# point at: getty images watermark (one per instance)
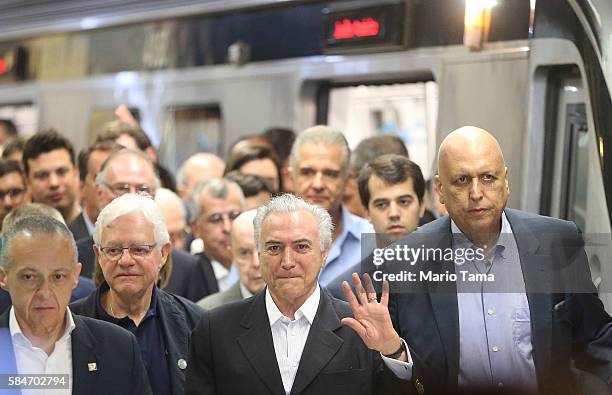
(412, 256)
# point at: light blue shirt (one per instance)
(495, 347)
(346, 250)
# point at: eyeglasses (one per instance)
(123, 188)
(136, 251)
(219, 217)
(12, 193)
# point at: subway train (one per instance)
(200, 74)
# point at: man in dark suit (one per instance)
(216, 203)
(290, 338)
(131, 246)
(39, 270)
(245, 259)
(523, 316)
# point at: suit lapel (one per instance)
(321, 345)
(85, 364)
(258, 346)
(536, 275)
(443, 297)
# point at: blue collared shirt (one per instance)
(495, 347)
(150, 340)
(345, 251)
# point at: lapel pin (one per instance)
(182, 364)
(92, 366)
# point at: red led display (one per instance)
(363, 27)
(3, 66)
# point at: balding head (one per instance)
(174, 212)
(473, 181)
(244, 252)
(195, 169)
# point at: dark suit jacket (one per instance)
(232, 352)
(566, 327)
(119, 367)
(207, 279)
(178, 318)
(79, 228)
(187, 278)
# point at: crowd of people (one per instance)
(256, 274)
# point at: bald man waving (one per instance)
(498, 301)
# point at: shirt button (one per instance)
(495, 349)
(490, 311)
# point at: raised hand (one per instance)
(371, 321)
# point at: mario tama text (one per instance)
(401, 255)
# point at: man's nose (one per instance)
(394, 211)
(317, 182)
(53, 179)
(476, 189)
(287, 261)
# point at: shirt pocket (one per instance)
(521, 331)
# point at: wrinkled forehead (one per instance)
(39, 251)
(289, 225)
(462, 157)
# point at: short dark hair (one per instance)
(373, 147)
(392, 169)
(10, 166)
(112, 131)
(282, 140)
(14, 144)
(9, 126)
(43, 142)
(250, 184)
(250, 153)
(83, 160)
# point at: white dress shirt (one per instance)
(225, 278)
(290, 336)
(33, 360)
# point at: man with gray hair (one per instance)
(288, 339)
(320, 167)
(215, 204)
(40, 336)
(132, 245)
(131, 171)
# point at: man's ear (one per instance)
(3, 276)
(77, 273)
(438, 186)
(165, 252)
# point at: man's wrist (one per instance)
(397, 351)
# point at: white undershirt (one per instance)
(34, 360)
(290, 336)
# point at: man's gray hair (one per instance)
(34, 225)
(217, 188)
(289, 203)
(101, 176)
(321, 134)
(130, 204)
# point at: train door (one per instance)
(573, 189)
(408, 110)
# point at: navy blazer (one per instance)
(232, 352)
(118, 365)
(178, 318)
(568, 329)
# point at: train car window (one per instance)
(23, 115)
(408, 110)
(188, 130)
